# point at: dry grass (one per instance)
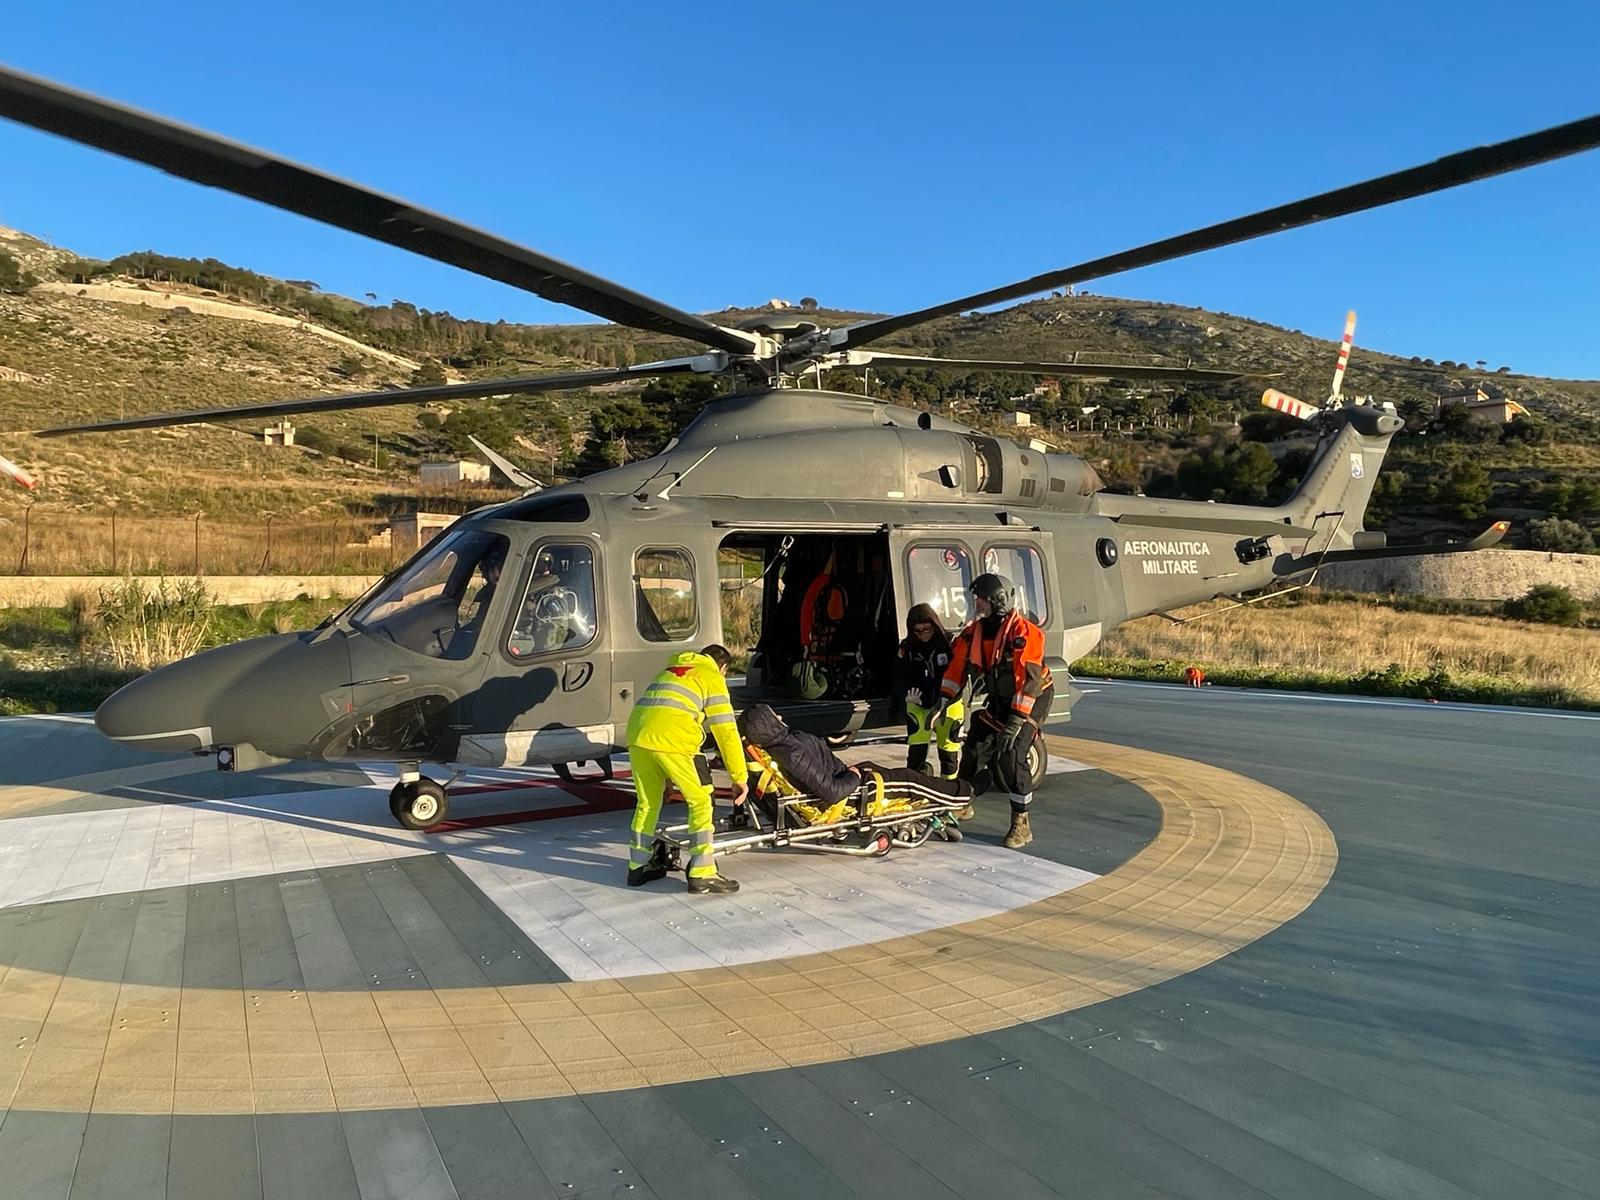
(135, 627)
(70, 544)
(1352, 638)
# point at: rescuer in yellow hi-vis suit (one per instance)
(665, 732)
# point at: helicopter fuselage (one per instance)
(596, 583)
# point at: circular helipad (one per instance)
(174, 943)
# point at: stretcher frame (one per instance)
(861, 835)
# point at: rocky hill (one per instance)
(72, 347)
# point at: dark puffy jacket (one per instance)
(803, 757)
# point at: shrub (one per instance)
(140, 628)
(1561, 537)
(1547, 604)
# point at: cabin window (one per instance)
(1025, 569)
(663, 594)
(438, 605)
(558, 605)
(939, 574)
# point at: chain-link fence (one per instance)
(35, 541)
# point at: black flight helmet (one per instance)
(996, 589)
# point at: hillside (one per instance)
(215, 334)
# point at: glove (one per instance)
(1014, 726)
(914, 697)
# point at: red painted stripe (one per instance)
(521, 784)
(594, 798)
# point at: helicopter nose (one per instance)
(269, 692)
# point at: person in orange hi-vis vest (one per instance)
(1004, 651)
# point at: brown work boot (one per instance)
(712, 885)
(1019, 835)
(964, 814)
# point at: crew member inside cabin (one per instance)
(919, 670)
(1004, 652)
(665, 732)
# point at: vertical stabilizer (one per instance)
(1343, 472)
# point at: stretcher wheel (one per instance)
(913, 834)
(880, 844)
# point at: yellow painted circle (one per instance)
(1234, 859)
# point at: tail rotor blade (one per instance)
(1285, 403)
(1344, 352)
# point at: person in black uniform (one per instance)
(919, 670)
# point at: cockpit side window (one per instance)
(438, 605)
(663, 594)
(558, 606)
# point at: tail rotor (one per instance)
(1299, 409)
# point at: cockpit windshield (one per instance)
(438, 605)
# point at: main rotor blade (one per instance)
(205, 158)
(1439, 175)
(525, 385)
(1079, 370)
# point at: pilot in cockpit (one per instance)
(557, 609)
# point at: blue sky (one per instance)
(876, 156)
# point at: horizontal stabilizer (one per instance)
(1309, 562)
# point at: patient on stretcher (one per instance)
(794, 763)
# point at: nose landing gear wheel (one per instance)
(421, 804)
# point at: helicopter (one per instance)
(522, 634)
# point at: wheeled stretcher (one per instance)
(878, 816)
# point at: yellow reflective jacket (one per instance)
(674, 712)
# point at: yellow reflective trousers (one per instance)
(652, 770)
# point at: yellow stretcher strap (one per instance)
(770, 779)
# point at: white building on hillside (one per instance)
(445, 474)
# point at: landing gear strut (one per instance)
(419, 803)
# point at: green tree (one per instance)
(1585, 500)
(1467, 489)
(1386, 493)
(1239, 475)
(1528, 430)
(1547, 604)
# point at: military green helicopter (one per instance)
(522, 634)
